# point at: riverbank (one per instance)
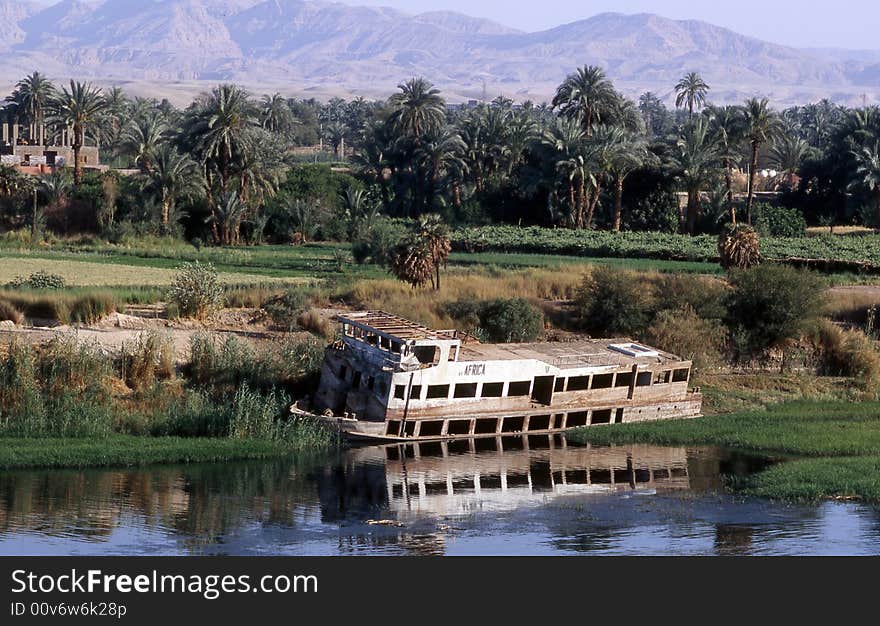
(825, 449)
(133, 451)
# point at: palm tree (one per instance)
(424, 251)
(868, 173)
(33, 94)
(727, 126)
(418, 108)
(788, 153)
(739, 247)
(221, 128)
(79, 108)
(172, 177)
(762, 124)
(276, 115)
(441, 156)
(142, 137)
(586, 95)
(691, 91)
(698, 157)
(566, 141)
(629, 152)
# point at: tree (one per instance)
(727, 126)
(739, 247)
(566, 141)
(691, 92)
(762, 125)
(417, 109)
(868, 173)
(628, 153)
(174, 176)
(142, 137)
(586, 95)
(423, 252)
(78, 108)
(276, 115)
(698, 157)
(788, 153)
(33, 95)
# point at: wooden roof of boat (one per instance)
(396, 326)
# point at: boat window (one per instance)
(416, 392)
(465, 390)
(427, 355)
(436, 392)
(643, 379)
(356, 380)
(578, 383)
(492, 390)
(343, 372)
(520, 388)
(560, 385)
(602, 381)
(680, 376)
(400, 392)
(624, 379)
(371, 383)
(601, 417)
(577, 419)
(661, 378)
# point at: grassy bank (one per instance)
(836, 446)
(131, 451)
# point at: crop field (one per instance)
(859, 251)
(79, 273)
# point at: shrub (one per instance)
(511, 321)
(684, 333)
(286, 309)
(779, 221)
(39, 280)
(68, 364)
(254, 415)
(196, 290)
(8, 313)
(707, 296)
(613, 301)
(312, 321)
(769, 305)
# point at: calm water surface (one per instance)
(520, 496)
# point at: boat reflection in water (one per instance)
(441, 479)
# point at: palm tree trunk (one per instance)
(752, 173)
(77, 147)
(877, 203)
(593, 203)
(576, 218)
(618, 204)
(166, 209)
(728, 180)
(693, 207)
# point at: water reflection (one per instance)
(528, 495)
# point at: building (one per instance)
(41, 154)
(390, 378)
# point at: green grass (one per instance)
(130, 451)
(835, 445)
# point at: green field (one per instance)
(829, 449)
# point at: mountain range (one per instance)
(174, 48)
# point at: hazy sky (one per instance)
(803, 23)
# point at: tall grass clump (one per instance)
(196, 290)
(9, 313)
(852, 354)
(146, 360)
(21, 404)
(686, 334)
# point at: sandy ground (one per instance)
(117, 329)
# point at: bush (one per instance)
(284, 311)
(511, 321)
(779, 221)
(39, 280)
(706, 296)
(614, 302)
(770, 305)
(684, 333)
(196, 290)
(8, 313)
